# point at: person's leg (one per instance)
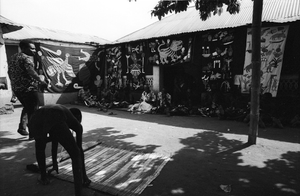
(23, 117)
(23, 120)
(31, 104)
(64, 136)
(54, 155)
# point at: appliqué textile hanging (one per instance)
(170, 51)
(61, 64)
(216, 59)
(135, 60)
(272, 49)
(114, 67)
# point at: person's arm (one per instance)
(28, 64)
(54, 157)
(79, 131)
(35, 76)
(76, 126)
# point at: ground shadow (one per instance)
(209, 160)
(15, 154)
(107, 136)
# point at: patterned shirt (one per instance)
(21, 81)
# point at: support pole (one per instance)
(256, 69)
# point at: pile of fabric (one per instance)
(7, 109)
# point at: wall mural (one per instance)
(135, 64)
(272, 49)
(216, 61)
(114, 67)
(169, 51)
(60, 65)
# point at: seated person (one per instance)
(295, 121)
(103, 101)
(85, 96)
(164, 102)
(147, 101)
(148, 95)
(266, 111)
(112, 97)
(57, 120)
(186, 107)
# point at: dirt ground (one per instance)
(206, 154)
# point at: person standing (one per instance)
(24, 82)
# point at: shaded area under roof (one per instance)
(8, 26)
(32, 32)
(276, 11)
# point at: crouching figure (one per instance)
(53, 123)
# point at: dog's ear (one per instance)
(77, 113)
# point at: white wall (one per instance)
(156, 79)
(5, 95)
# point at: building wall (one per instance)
(5, 94)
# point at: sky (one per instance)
(108, 19)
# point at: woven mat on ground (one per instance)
(116, 171)
(63, 155)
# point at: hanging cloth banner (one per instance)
(170, 51)
(217, 58)
(272, 49)
(135, 64)
(114, 67)
(60, 65)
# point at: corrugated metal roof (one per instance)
(32, 32)
(8, 25)
(277, 11)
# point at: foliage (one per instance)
(205, 7)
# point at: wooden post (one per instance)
(256, 69)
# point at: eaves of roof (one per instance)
(38, 33)
(8, 26)
(274, 11)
